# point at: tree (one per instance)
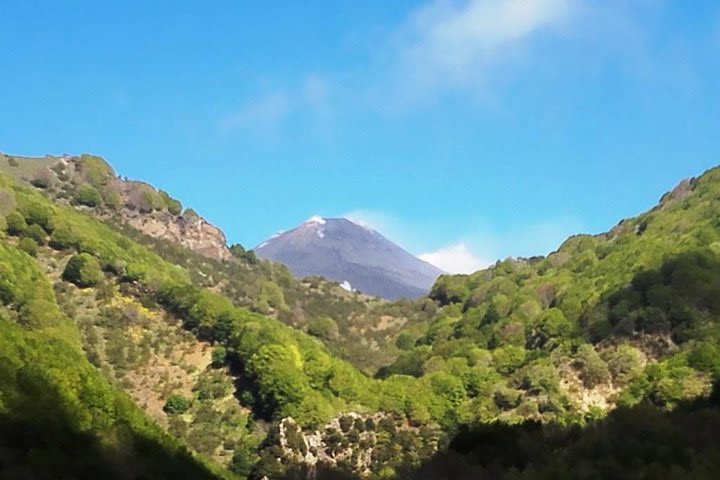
(83, 270)
(593, 370)
(549, 329)
(176, 404)
(509, 358)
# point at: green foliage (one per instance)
(509, 358)
(593, 370)
(64, 238)
(86, 194)
(112, 198)
(83, 270)
(28, 245)
(405, 341)
(323, 327)
(448, 289)
(705, 357)
(94, 170)
(176, 404)
(219, 356)
(58, 416)
(36, 233)
(173, 206)
(36, 210)
(16, 224)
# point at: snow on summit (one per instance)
(316, 219)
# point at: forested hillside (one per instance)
(222, 351)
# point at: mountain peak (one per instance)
(345, 251)
(315, 220)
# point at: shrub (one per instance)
(346, 423)
(16, 224)
(322, 327)
(36, 212)
(63, 238)
(176, 404)
(12, 162)
(112, 198)
(36, 233)
(507, 398)
(86, 194)
(83, 270)
(405, 341)
(219, 356)
(95, 170)
(144, 198)
(28, 245)
(7, 201)
(43, 178)
(174, 206)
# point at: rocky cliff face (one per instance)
(90, 183)
(190, 231)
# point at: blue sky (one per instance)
(464, 130)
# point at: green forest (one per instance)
(128, 356)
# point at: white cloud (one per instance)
(474, 243)
(455, 258)
(448, 44)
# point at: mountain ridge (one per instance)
(352, 254)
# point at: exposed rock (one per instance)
(138, 204)
(337, 444)
(192, 232)
(678, 193)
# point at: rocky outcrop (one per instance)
(355, 442)
(190, 231)
(680, 192)
(90, 183)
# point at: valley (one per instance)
(179, 356)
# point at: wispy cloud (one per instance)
(311, 95)
(258, 113)
(450, 44)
